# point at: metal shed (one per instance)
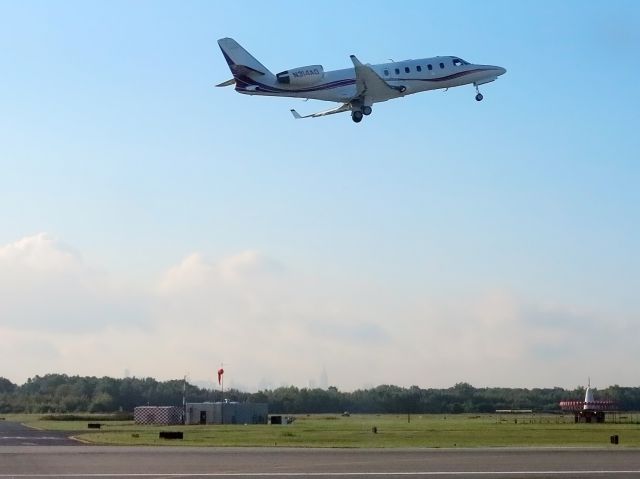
(226, 413)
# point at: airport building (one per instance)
(226, 413)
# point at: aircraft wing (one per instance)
(340, 109)
(369, 83)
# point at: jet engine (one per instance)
(302, 76)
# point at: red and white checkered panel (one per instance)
(157, 415)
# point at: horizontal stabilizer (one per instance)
(227, 83)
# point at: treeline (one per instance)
(59, 393)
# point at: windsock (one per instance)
(220, 373)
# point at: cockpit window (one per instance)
(457, 62)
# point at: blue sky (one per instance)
(161, 199)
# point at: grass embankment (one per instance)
(356, 431)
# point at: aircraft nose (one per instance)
(501, 71)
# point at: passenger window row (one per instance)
(456, 62)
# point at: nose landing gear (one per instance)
(479, 96)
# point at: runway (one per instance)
(169, 462)
(15, 434)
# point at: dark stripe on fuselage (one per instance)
(453, 76)
(250, 82)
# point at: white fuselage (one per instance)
(414, 75)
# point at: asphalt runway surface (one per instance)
(61, 461)
(15, 434)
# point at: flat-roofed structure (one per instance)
(227, 413)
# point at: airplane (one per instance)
(357, 88)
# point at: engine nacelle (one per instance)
(302, 76)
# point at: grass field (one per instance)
(356, 431)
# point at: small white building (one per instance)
(227, 413)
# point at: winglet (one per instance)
(295, 114)
(356, 62)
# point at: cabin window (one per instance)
(430, 66)
(397, 71)
(386, 73)
(419, 68)
(457, 62)
(442, 65)
(407, 69)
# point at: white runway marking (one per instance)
(39, 438)
(337, 474)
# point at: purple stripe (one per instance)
(244, 82)
(448, 77)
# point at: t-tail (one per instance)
(244, 67)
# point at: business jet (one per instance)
(357, 88)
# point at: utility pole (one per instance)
(184, 400)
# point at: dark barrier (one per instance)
(276, 419)
(171, 435)
(94, 425)
(614, 439)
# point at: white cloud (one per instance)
(45, 285)
(272, 324)
(39, 253)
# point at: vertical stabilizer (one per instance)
(588, 397)
(239, 60)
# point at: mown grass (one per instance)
(393, 431)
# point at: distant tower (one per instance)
(324, 379)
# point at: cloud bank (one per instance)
(273, 323)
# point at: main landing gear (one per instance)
(357, 115)
(479, 96)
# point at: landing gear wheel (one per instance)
(479, 97)
(366, 110)
(356, 116)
